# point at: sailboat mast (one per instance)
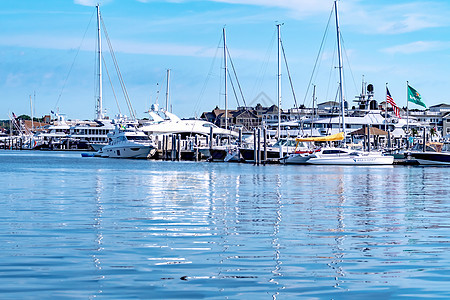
(226, 74)
(279, 81)
(341, 92)
(167, 90)
(314, 110)
(100, 92)
(31, 108)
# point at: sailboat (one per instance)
(228, 151)
(280, 147)
(339, 155)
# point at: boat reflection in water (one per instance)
(130, 229)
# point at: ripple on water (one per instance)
(86, 227)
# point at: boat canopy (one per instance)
(329, 138)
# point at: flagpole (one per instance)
(407, 114)
(385, 110)
(407, 109)
(385, 115)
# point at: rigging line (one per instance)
(330, 125)
(289, 75)
(348, 63)
(158, 92)
(112, 87)
(292, 85)
(237, 80)
(119, 74)
(73, 63)
(208, 76)
(331, 73)
(234, 90)
(318, 55)
(116, 65)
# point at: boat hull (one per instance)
(249, 154)
(217, 154)
(295, 159)
(431, 158)
(359, 161)
(134, 151)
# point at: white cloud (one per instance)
(396, 18)
(122, 46)
(367, 16)
(86, 2)
(14, 80)
(300, 7)
(91, 2)
(417, 47)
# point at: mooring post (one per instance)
(258, 154)
(196, 147)
(424, 142)
(173, 148)
(254, 145)
(265, 144)
(179, 148)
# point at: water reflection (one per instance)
(143, 229)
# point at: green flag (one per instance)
(414, 97)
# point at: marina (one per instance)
(267, 195)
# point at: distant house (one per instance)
(34, 126)
(440, 108)
(446, 124)
(246, 119)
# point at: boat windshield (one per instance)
(284, 142)
(429, 147)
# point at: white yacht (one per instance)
(128, 143)
(347, 156)
(336, 155)
(305, 148)
(172, 124)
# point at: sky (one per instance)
(48, 53)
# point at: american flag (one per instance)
(389, 100)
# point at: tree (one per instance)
(24, 117)
(433, 131)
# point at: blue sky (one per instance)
(386, 41)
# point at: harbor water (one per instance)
(85, 228)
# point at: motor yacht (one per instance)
(128, 142)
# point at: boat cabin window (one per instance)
(334, 151)
(209, 125)
(138, 138)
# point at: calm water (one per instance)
(74, 227)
